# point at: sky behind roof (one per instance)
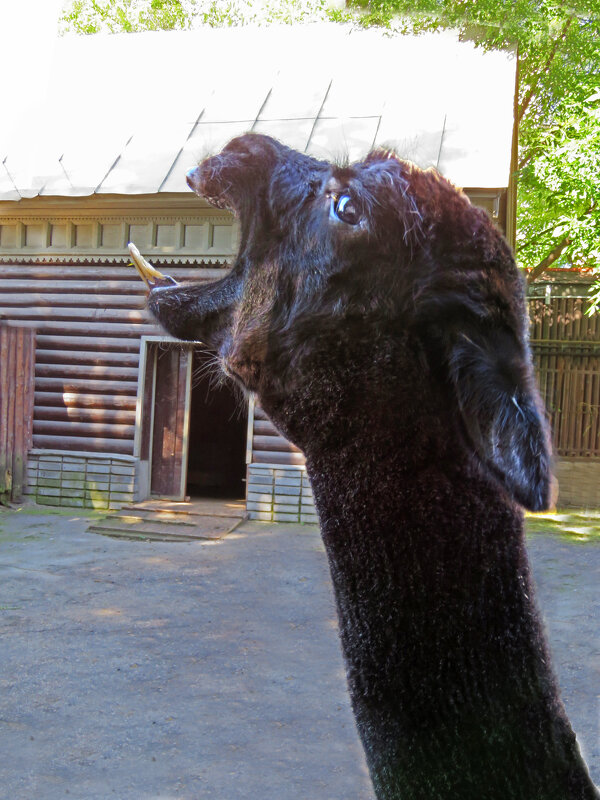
(127, 113)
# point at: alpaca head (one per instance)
(382, 268)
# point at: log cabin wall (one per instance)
(64, 270)
(278, 488)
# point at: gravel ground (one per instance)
(151, 671)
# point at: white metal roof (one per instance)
(131, 113)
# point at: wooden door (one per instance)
(169, 372)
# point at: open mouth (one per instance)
(149, 274)
(202, 180)
(218, 202)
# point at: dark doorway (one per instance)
(218, 430)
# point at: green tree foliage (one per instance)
(558, 214)
(117, 16)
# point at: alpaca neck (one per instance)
(446, 661)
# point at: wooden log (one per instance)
(83, 371)
(264, 428)
(131, 285)
(86, 386)
(122, 330)
(67, 328)
(81, 400)
(85, 444)
(82, 357)
(259, 413)
(86, 429)
(270, 457)
(272, 443)
(79, 414)
(86, 314)
(89, 343)
(89, 300)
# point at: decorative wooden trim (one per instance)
(116, 205)
(168, 229)
(136, 219)
(95, 259)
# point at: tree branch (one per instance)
(547, 262)
(535, 238)
(530, 94)
(556, 251)
(525, 159)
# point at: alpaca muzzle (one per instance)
(192, 179)
(205, 181)
(191, 312)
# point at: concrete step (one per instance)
(154, 530)
(197, 507)
(161, 517)
(146, 536)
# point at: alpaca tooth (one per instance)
(149, 274)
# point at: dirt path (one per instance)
(149, 671)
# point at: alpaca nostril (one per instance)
(193, 179)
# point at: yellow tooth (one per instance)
(146, 271)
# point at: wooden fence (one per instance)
(565, 344)
(17, 364)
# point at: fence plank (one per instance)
(568, 377)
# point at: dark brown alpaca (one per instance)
(380, 320)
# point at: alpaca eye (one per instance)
(344, 209)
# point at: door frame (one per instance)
(144, 412)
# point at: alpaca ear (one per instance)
(502, 413)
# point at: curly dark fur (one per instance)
(393, 350)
